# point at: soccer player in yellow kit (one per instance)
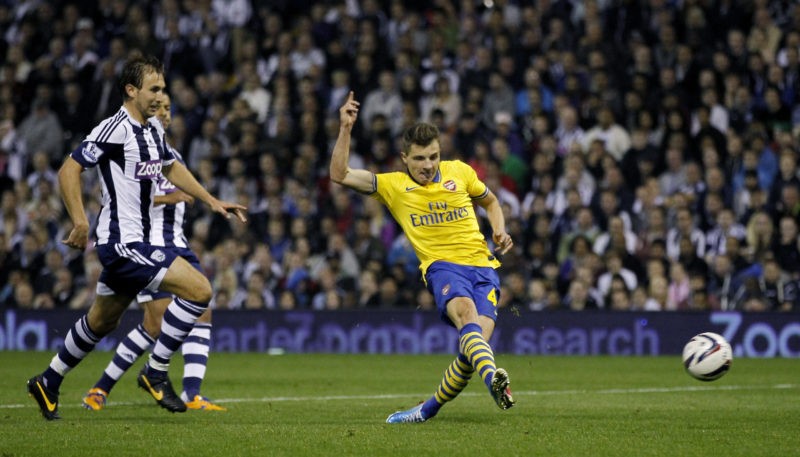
(433, 202)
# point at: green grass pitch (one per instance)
(321, 404)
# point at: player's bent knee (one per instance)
(186, 282)
(200, 293)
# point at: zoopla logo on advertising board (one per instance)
(758, 339)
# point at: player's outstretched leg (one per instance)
(481, 357)
(44, 387)
(455, 379)
(136, 343)
(195, 351)
(179, 318)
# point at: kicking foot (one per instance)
(500, 390)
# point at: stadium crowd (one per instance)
(645, 152)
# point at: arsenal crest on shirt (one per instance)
(450, 185)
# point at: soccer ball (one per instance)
(707, 356)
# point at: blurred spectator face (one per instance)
(772, 272)
(516, 284)
(23, 295)
(710, 156)
(655, 268)
(617, 283)
(638, 298)
(715, 180)
(676, 272)
(387, 81)
(53, 259)
(655, 219)
(608, 202)
(537, 290)
(692, 170)
(722, 265)
(684, 221)
(736, 41)
(620, 300)
(578, 291)
(585, 219)
(388, 290)
(773, 100)
(605, 118)
(725, 219)
(791, 197)
(762, 223)
(732, 246)
(287, 300)
(788, 230)
(580, 247)
(275, 229)
(568, 118)
(788, 165)
(699, 300)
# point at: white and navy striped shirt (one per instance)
(129, 157)
(167, 220)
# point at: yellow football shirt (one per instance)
(439, 218)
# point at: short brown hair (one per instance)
(421, 134)
(134, 70)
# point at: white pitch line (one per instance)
(641, 390)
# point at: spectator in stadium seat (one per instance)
(779, 291)
(41, 131)
(615, 270)
(537, 295)
(616, 140)
(447, 270)
(749, 297)
(63, 288)
(617, 235)
(385, 99)
(679, 289)
(760, 235)
(499, 97)
(789, 204)
(577, 297)
(684, 228)
(620, 300)
(787, 247)
(441, 98)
